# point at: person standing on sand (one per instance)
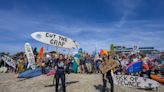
(82, 62)
(108, 75)
(60, 72)
(21, 65)
(88, 64)
(42, 65)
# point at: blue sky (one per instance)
(93, 23)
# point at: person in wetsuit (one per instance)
(60, 72)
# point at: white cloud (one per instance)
(90, 36)
(126, 8)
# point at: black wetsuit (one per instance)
(60, 74)
(110, 79)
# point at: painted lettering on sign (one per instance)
(56, 42)
(130, 81)
(129, 84)
(62, 39)
(59, 41)
(50, 35)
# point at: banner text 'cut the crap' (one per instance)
(60, 41)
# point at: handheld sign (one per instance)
(30, 56)
(106, 66)
(9, 61)
(134, 81)
(55, 40)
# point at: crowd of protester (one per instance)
(90, 63)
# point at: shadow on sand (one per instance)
(22, 79)
(100, 88)
(148, 89)
(67, 83)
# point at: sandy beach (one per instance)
(74, 83)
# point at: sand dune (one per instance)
(74, 83)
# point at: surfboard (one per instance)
(158, 78)
(55, 40)
(3, 69)
(135, 81)
(32, 73)
(51, 72)
(30, 56)
(40, 52)
(9, 61)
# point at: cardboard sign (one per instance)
(106, 66)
